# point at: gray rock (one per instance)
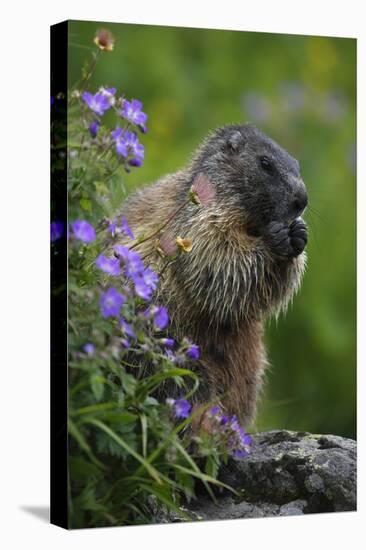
(294, 508)
(286, 473)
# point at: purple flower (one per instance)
(239, 441)
(127, 144)
(126, 228)
(98, 103)
(244, 438)
(215, 410)
(111, 302)
(57, 230)
(161, 318)
(127, 329)
(240, 453)
(112, 228)
(247, 440)
(145, 282)
(181, 407)
(93, 128)
(224, 420)
(135, 162)
(118, 136)
(109, 94)
(170, 355)
(147, 314)
(125, 343)
(141, 288)
(193, 352)
(132, 111)
(134, 265)
(122, 252)
(83, 231)
(132, 260)
(234, 424)
(150, 278)
(169, 342)
(89, 348)
(108, 265)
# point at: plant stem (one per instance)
(92, 67)
(171, 217)
(85, 80)
(167, 264)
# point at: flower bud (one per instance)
(104, 40)
(93, 128)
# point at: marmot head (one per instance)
(253, 174)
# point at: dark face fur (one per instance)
(257, 174)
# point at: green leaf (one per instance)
(78, 436)
(212, 466)
(143, 420)
(194, 466)
(204, 477)
(163, 495)
(100, 407)
(152, 382)
(108, 446)
(85, 204)
(129, 383)
(97, 384)
(87, 500)
(80, 468)
(152, 471)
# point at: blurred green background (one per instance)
(301, 90)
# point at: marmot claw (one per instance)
(287, 241)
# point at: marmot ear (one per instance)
(202, 190)
(235, 141)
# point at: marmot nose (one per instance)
(300, 201)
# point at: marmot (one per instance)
(247, 258)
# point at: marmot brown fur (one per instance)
(247, 258)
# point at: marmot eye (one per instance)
(266, 164)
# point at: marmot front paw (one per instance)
(287, 241)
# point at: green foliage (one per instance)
(128, 458)
(131, 456)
